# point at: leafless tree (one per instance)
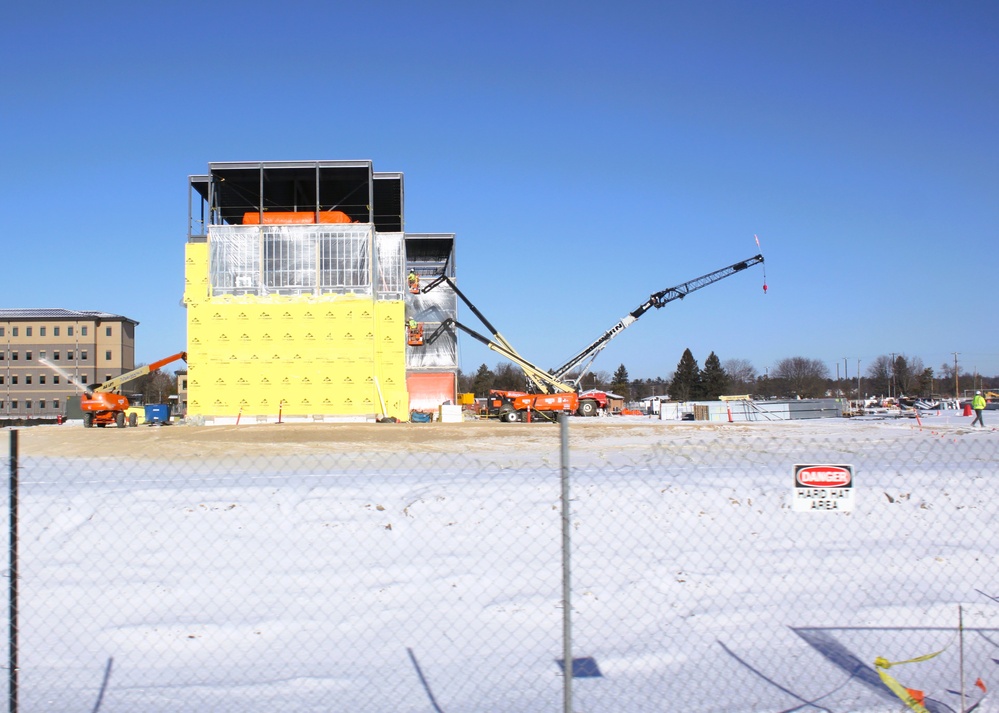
(801, 376)
(741, 374)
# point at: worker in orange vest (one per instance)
(414, 282)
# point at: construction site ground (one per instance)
(176, 441)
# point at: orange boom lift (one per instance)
(104, 404)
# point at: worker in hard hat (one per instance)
(978, 404)
(414, 282)
(414, 333)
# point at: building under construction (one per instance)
(297, 296)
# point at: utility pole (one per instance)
(891, 382)
(957, 387)
(858, 379)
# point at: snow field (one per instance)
(299, 583)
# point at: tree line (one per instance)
(792, 377)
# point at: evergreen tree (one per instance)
(482, 381)
(686, 384)
(901, 374)
(926, 382)
(714, 380)
(620, 383)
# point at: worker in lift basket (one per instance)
(978, 404)
(414, 282)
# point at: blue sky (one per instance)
(857, 139)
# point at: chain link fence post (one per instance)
(12, 573)
(566, 568)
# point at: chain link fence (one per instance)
(395, 580)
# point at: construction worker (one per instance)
(414, 282)
(414, 333)
(978, 404)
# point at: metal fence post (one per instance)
(566, 571)
(12, 593)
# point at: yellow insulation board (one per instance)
(304, 355)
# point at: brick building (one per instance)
(87, 347)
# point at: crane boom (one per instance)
(114, 384)
(657, 300)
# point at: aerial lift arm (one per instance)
(500, 345)
(534, 373)
(657, 300)
(112, 385)
(482, 318)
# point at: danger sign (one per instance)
(822, 488)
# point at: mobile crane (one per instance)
(554, 391)
(103, 404)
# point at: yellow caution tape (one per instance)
(909, 696)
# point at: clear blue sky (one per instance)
(858, 139)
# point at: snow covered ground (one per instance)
(414, 581)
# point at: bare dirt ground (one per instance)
(188, 441)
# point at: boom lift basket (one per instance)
(415, 335)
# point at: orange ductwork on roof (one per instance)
(300, 217)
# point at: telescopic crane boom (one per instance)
(657, 300)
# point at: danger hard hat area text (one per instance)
(821, 493)
(823, 499)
